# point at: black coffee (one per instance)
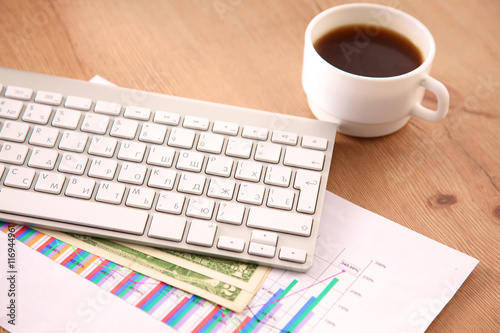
(369, 50)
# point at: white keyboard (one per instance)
(162, 171)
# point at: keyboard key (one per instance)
(140, 197)
(276, 220)
(190, 161)
(10, 109)
(308, 183)
(264, 237)
(162, 178)
(231, 244)
(112, 109)
(153, 133)
(73, 141)
(248, 170)
(294, 255)
(191, 183)
(223, 127)
(132, 173)
(304, 158)
(134, 112)
(131, 151)
(47, 97)
(253, 132)
(314, 142)
(230, 212)
(210, 143)
(90, 214)
(287, 138)
(50, 182)
(161, 156)
(251, 193)
(268, 152)
(170, 202)
(181, 138)
(167, 227)
(14, 131)
(78, 103)
(124, 128)
(37, 113)
(44, 136)
(13, 153)
(43, 158)
(95, 123)
(201, 208)
(80, 187)
(280, 198)
(73, 163)
(21, 93)
(103, 168)
(239, 147)
(196, 123)
(201, 233)
(110, 192)
(261, 250)
(219, 166)
(221, 188)
(65, 118)
(20, 177)
(167, 118)
(278, 175)
(102, 146)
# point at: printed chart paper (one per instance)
(370, 274)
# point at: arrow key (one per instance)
(291, 254)
(231, 244)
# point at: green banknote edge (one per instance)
(231, 268)
(201, 281)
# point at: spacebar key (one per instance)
(275, 220)
(73, 211)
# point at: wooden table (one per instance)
(440, 179)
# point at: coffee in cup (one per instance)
(366, 67)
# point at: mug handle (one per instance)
(443, 98)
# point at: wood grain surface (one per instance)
(439, 179)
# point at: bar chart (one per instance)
(286, 302)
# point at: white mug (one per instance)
(370, 106)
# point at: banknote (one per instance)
(183, 277)
(241, 275)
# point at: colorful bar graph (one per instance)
(183, 311)
(243, 324)
(299, 317)
(156, 297)
(203, 325)
(187, 313)
(267, 308)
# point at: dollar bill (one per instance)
(184, 277)
(238, 274)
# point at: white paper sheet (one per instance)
(52, 299)
(390, 278)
